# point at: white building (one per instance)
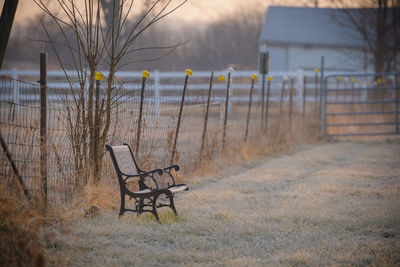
(297, 37)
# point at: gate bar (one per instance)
(362, 134)
(360, 89)
(361, 113)
(361, 124)
(361, 102)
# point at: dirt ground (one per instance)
(326, 204)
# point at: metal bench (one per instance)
(150, 188)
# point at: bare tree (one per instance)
(102, 36)
(232, 40)
(377, 22)
(212, 45)
(6, 22)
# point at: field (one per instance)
(286, 196)
(323, 204)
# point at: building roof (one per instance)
(307, 26)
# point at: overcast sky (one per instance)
(193, 11)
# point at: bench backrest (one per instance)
(123, 159)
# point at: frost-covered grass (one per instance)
(330, 204)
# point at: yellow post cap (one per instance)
(189, 72)
(221, 78)
(340, 78)
(270, 78)
(316, 70)
(145, 74)
(353, 80)
(99, 76)
(253, 77)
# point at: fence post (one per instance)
(230, 70)
(188, 73)
(16, 93)
(145, 75)
(263, 90)
(157, 91)
(96, 149)
(338, 80)
(226, 110)
(324, 107)
(304, 96)
(281, 103)
(221, 79)
(148, 139)
(267, 104)
(43, 124)
(353, 81)
(203, 138)
(396, 95)
(291, 104)
(253, 77)
(96, 129)
(322, 93)
(316, 92)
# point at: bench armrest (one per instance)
(142, 176)
(168, 171)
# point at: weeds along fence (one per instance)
(216, 116)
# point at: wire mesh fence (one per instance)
(20, 131)
(67, 148)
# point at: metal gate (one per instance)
(361, 104)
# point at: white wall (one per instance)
(335, 59)
(279, 58)
(292, 58)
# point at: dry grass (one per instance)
(324, 205)
(19, 224)
(330, 204)
(277, 137)
(105, 197)
(374, 118)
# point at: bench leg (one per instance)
(171, 203)
(140, 206)
(122, 208)
(154, 211)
